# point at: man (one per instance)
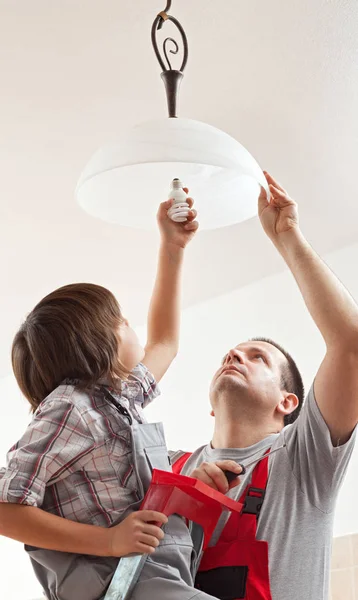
(281, 544)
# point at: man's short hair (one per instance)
(291, 379)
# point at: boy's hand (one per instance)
(177, 234)
(137, 534)
(164, 310)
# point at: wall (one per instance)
(344, 568)
(270, 307)
(17, 581)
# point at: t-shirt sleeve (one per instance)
(56, 443)
(140, 387)
(318, 466)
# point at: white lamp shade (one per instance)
(125, 182)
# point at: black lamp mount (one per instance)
(171, 77)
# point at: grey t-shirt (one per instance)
(297, 514)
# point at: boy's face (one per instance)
(131, 352)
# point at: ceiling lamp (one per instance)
(124, 182)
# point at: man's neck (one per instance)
(240, 435)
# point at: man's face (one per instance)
(250, 377)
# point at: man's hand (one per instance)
(176, 234)
(331, 307)
(279, 215)
(137, 533)
(213, 474)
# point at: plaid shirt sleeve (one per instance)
(140, 386)
(57, 442)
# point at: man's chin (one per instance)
(229, 381)
(233, 376)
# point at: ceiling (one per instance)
(281, 77)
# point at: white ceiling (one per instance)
(282, 77)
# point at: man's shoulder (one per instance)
(182, 456)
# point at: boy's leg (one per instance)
(166, 576)
(167, 589)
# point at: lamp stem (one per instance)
(171, 77)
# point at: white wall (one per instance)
(17, 581)
(270, 307)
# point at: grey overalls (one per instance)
(166, 574)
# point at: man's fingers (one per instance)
(279, 197)
(275, 191)
(213, 474)
(234, 483)
(200, 474)
(216, 474)
(271, 181)
(233, 467)
(263, 201)
(190, 201)
(229, 465)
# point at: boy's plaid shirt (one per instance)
(74, 459)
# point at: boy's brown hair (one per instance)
(72, 333)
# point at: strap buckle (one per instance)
(253, 501)
(117, 405)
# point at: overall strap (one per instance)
(254, 494)
(178, 464)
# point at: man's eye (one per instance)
(260, 356)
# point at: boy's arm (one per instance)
(35, 527)
(164, 310)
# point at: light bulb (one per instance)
(180, 208)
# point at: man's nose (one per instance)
(235, 355)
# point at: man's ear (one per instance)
(288, 404)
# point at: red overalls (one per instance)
(237, 567)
